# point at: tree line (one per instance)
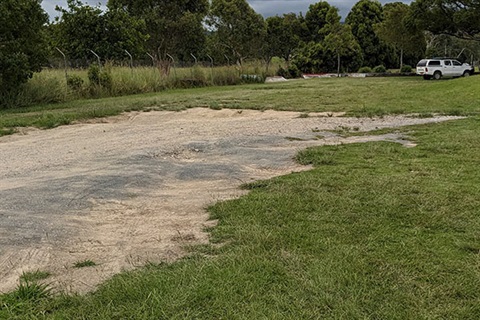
(231, 31)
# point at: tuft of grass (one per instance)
(84, 264)
(34, 276)
(30, 300)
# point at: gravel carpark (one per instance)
(133, 189)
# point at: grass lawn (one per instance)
(375, 231)
(361, 97)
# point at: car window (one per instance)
(456, 63)
(422, 63)
(448, 63)
(434, 63)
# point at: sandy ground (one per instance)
(133, 189)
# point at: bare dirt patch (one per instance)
(133, 189)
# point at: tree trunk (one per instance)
(338, 65)
(401, 59)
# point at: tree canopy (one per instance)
(315, 19)
(22, 42)
(283, 35)
(456, 18)
(82, 28)
(238, 28)
(339, 39)
(365, 14)
(395, 30)
(174, 26)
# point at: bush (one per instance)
(105, 80)
(365, 70)
(99, 77)
(290, 73)
(406, 69)
(94, 74)
(380, 69)
(74, 82)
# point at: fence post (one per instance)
(174, 70)
(211, 67)
(64, 61)
(98, 59)
(131, 60)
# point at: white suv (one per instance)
(437, 68)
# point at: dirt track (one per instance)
(133, 188)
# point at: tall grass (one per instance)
(50, 85)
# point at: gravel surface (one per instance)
(133, 189)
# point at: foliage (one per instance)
(22, 44)
(315, 20)
(74, 82)
(394, 29)
(238, 28)
(362, 18)
(283, 36)
(311, 58)
(406, 69)
(291, 72)
(451, 17)
(340, 40)
(174, 27)
(365, 70)
(82, 28)
(380, 69)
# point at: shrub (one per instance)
(94, 74)
(75, 82)
(365, 70)
(105, 80)
(290, 73)
(99, 77)
(406, 69)
(380, 69)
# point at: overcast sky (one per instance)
(265, 7)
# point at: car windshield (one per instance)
(422, 63)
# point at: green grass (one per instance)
(357, 97)
(84, 264)
(375, 231)
(34, 276)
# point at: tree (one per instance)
(22, 44)
(315, 19)
(395, 30)
(237, 28)
(456, 18)
(362, 18)
(339, 38)
(283, 36)
(174, 27)
(82, 28)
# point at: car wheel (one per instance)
(427, 77)
(466, 74)
(437, 75)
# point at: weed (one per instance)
(84, 264)
(34, 276)
(294, 139)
